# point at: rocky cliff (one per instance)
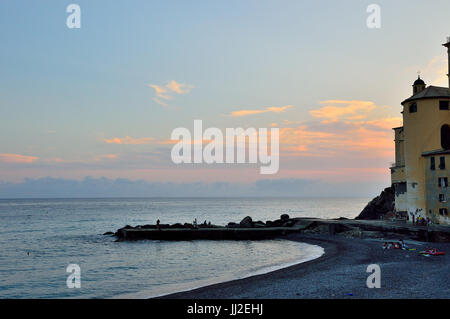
(381, 207)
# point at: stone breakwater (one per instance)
(248, 229)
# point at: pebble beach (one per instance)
(341, 273)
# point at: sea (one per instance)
(41, 240)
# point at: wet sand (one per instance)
(341, 273)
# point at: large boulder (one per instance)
(284, 217)
(275, 223)
(246, 222)
(380, 206)
(259, 224)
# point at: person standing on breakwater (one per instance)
(158, 226)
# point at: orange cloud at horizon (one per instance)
(149, 140)
(106, 156)
(340, 134)
(129, 140)
(343, 110)
(385, 123)
(89, 160)
(17, 158)
(357, 126)
(273, 109)
(304, 142)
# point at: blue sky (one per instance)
(65, 92)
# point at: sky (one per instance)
(99, 103)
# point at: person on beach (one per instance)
(402, 244)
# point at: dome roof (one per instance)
(431, 92)
(419, 81)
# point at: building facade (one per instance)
(421, 172)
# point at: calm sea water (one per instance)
(59, 232)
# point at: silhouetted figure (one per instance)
(158, 226)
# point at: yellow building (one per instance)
(421, 173)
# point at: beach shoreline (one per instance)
(341, 272)
(315, 252)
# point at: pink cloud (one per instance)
(17, 158)
(337, 110)
(129, 140)
(273, 109)
(345, 126)
(165, 92)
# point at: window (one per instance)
(413, 107)
(432, 163)
(443, 105)
(441, 198)
(400, 188)
(442, 162)
(445, 136)
(443, 182)
(443, 211)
